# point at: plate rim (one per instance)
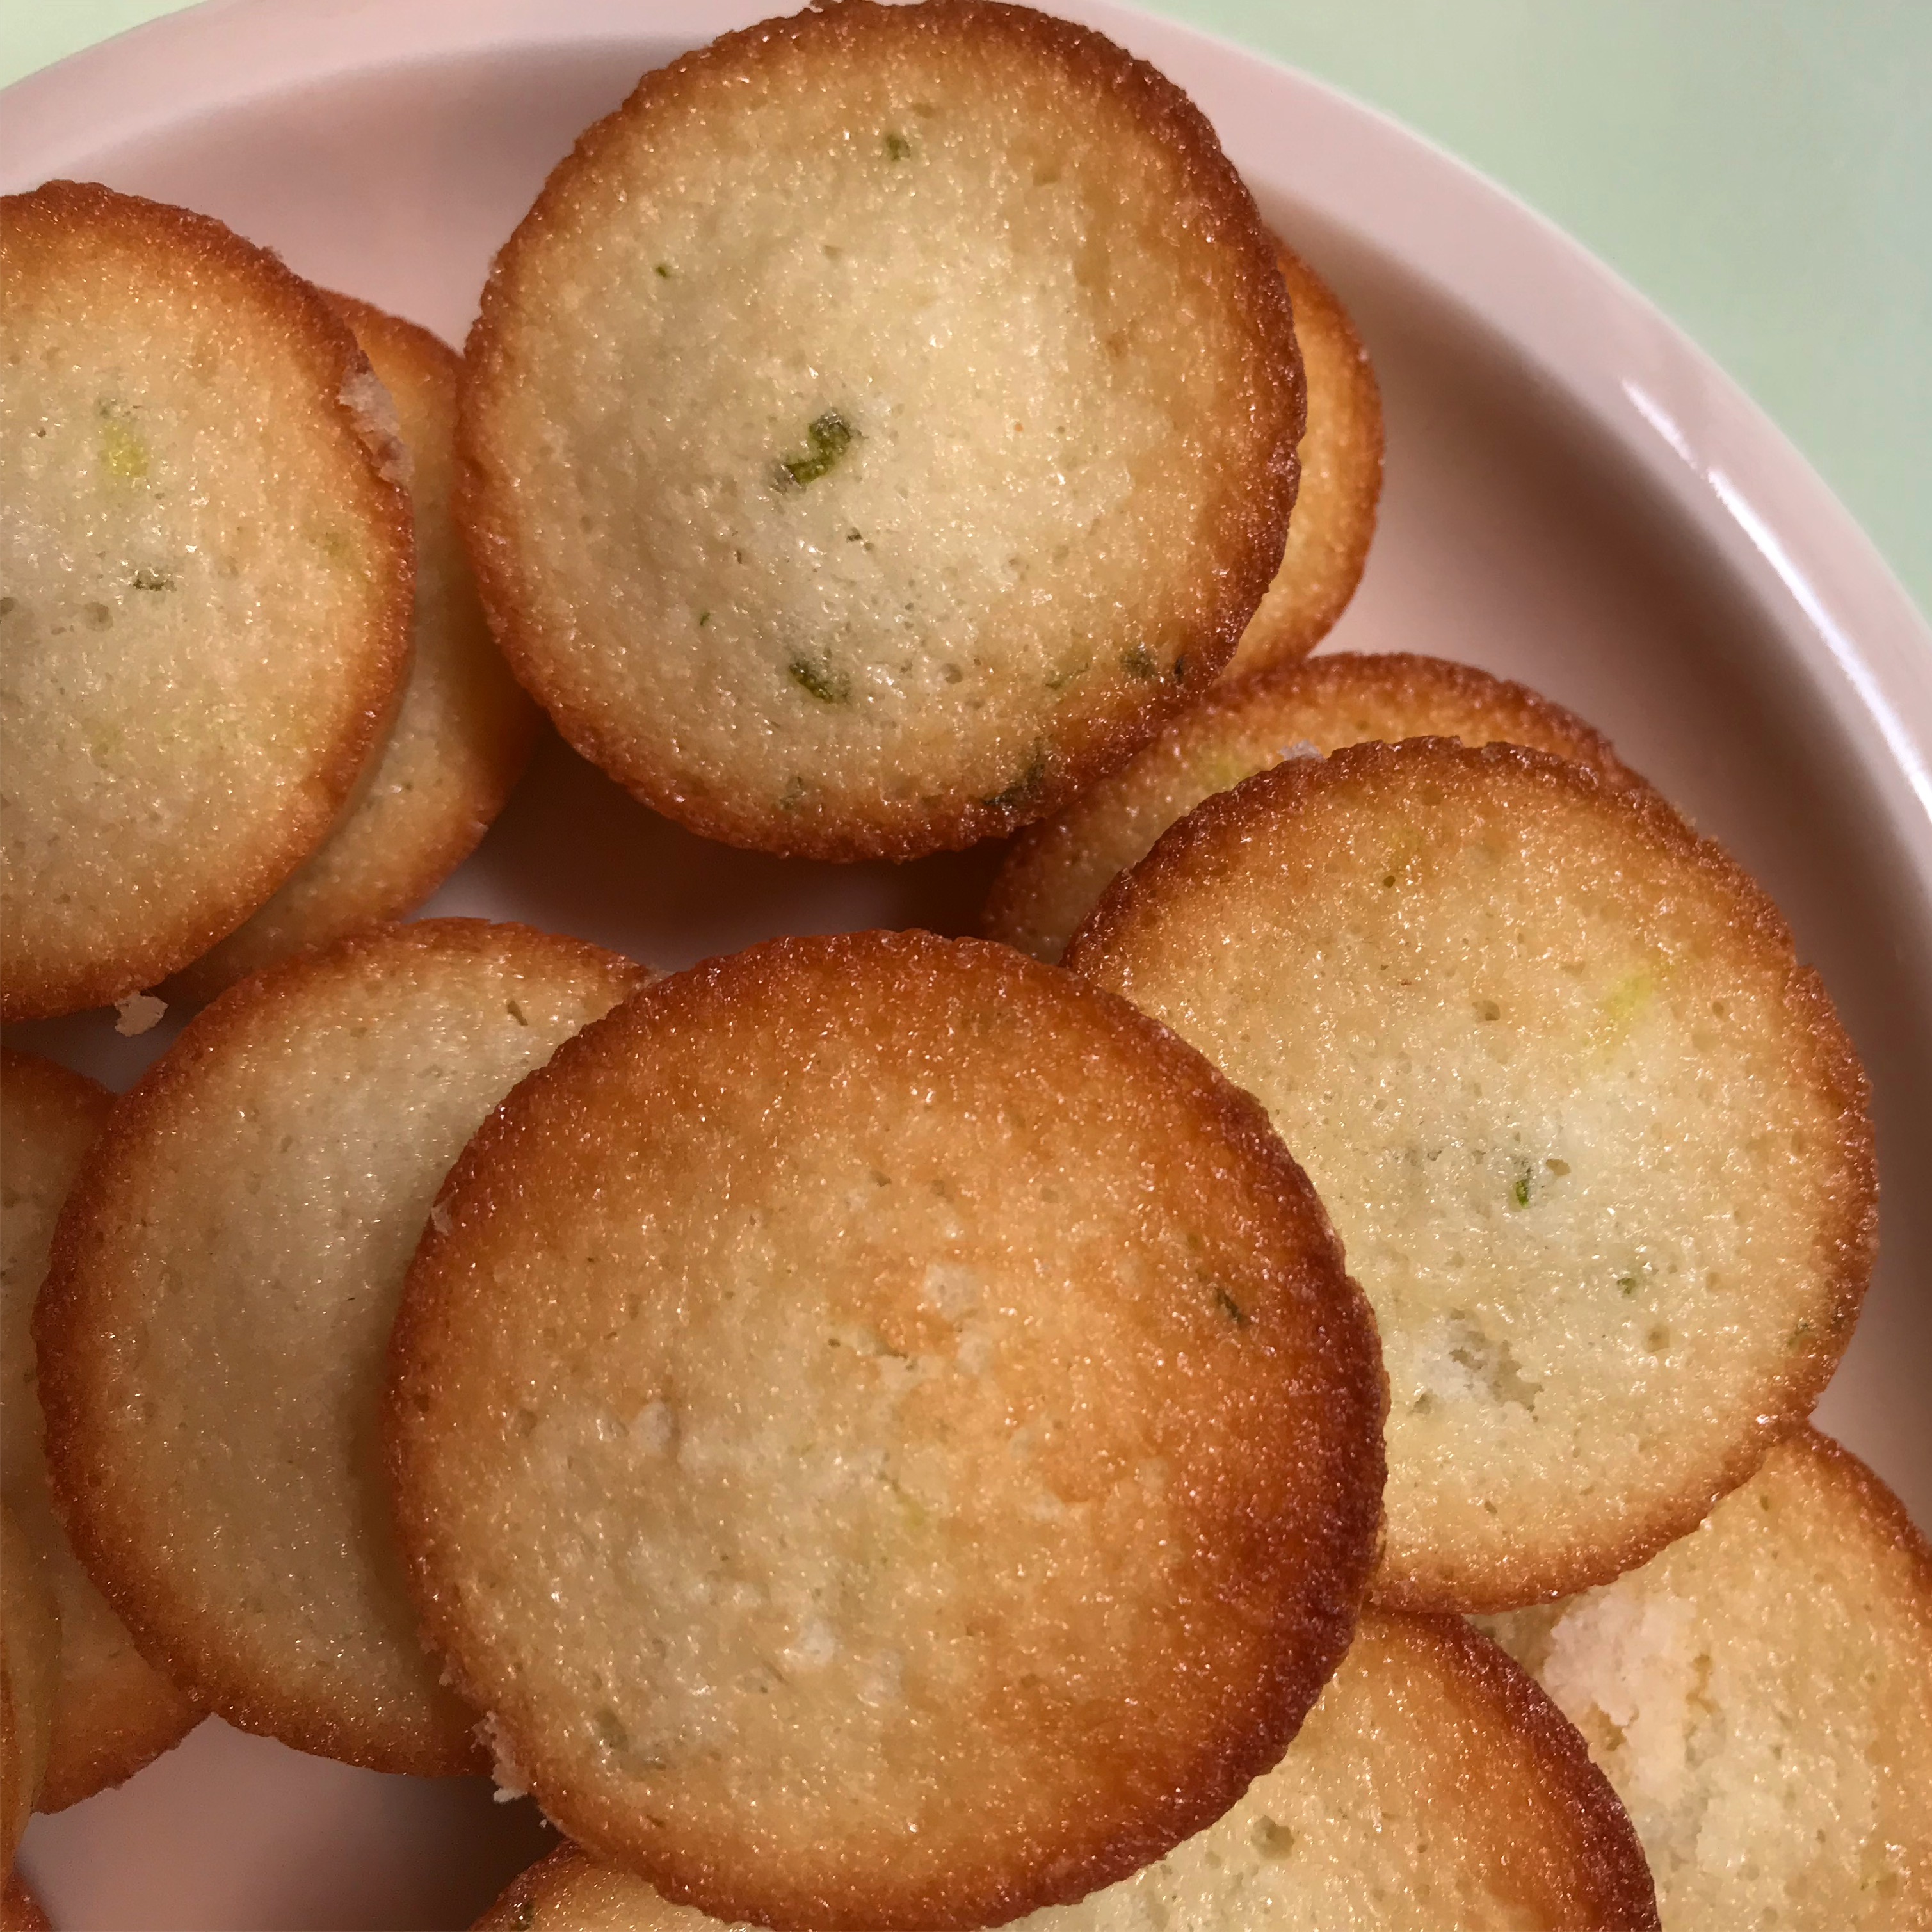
(1832, 609)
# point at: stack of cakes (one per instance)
(884, 1432)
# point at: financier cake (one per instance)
(464, 731)
(879, 425)
(29, 1672)
(1760, 1694)
(113, 1712)
(204, 584)
(212, 1334)
(1595, 1142)
(1055, 872)
(883, 1431)
(1341, 487)
(1432, 1788)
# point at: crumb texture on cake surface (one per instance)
(879, 424)
(886, 1434)
(1596, 1145)
(113, 1711)
(211, 1336)
(1432, 1788)
(1056, 871)
(464, 729)
(205, 621)
(1760, 1695)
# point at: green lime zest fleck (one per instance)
(897, 148)
(154, 579)
(704, 618)
(820, 680)
(1231, 1308)
(1519, 1193)
(1023, 790)
(828, 438)
(123, 454)
(664, 269)
(1138, 662)
(1630, 995)
(1627, 1283)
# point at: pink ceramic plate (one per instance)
(1576, 497)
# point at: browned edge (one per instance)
(20, 1911)
(80, 1764)
(1891, 1524)
(438, 369)
(1348, 1335)
(311, 331)
(1222, 819)
(1032, 852)
(79, 1476)
(549, 1879)
(1319, 313)
(1228, 211)
(1616, 1893)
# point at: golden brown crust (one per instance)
(464, 731)
(1594, 1875)
(135, 1718)
(1838, 1190)
(1341, 487)
(1055, 872)
(792, 1064)
(59, 1101)
(1761, 1695)
(113, 1713)
(19, 1909)
(110, 1284)
(1434, 1785)
(1069, 752)
(65, 221)
(29, 1679)
(1881, 1509)
(555, 1881)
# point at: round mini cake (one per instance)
(1432, 1787)
(1341, 487)
(464, 731)
(212, 1333)
(207, 560)
(1595, 1142)
(113, 1712)
(1055, 872)
(879, 425)
(29, 1675)
(883, 1431)
(1761, 1696)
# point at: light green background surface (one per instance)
(1761, 170)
